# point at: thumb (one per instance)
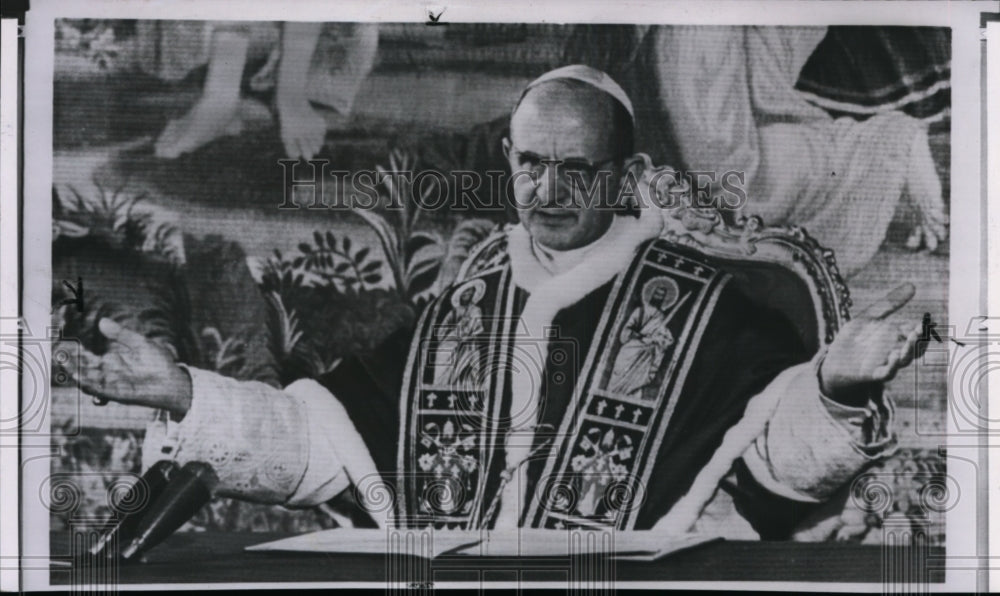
(120, 333)
(109, 328)
(891, 302)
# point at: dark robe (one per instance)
(744, 347)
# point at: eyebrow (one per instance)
(532, 154)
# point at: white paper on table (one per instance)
(634, 545)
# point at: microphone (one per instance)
(175, 494)
(152, 483)
(189, 490)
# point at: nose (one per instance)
(551, 189)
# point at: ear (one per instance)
(632, 167)
(635, 164)
(505, 144)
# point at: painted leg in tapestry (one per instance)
(303, 128)
(923, 189)
(216, 113)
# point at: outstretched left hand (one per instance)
(871, 348)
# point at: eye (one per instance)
(529, 160)
(574, 165)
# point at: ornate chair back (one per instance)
(781, 267)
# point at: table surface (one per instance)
(220, 557)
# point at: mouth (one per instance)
(555, 216)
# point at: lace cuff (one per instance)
(265, 444)
(813, 445)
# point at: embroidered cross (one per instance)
(601, 407)
(698, 269)
(451, 401)
(618, 411)
(635, 415)
(431, 398)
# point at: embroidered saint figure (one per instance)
(645, 338)
(457, 362)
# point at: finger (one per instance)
(888, 370)
(921, 347)
(109, 328)
(120, 333)
(101, 397)
(93, 382)
(909, 350)
(86, 369)
(917, 342)
(892, 302)
(74, 358)
(104, 381)
(65, 354)
(922, 341)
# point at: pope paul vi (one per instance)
(582, 371)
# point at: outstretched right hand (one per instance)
(134, 370)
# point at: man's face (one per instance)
(557, 213)
(657, 299)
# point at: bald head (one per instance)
(579, 113)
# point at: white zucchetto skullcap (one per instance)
(589, 75)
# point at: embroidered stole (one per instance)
(456, 395)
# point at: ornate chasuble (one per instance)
(455, 405)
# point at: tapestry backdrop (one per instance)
(181, 221)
